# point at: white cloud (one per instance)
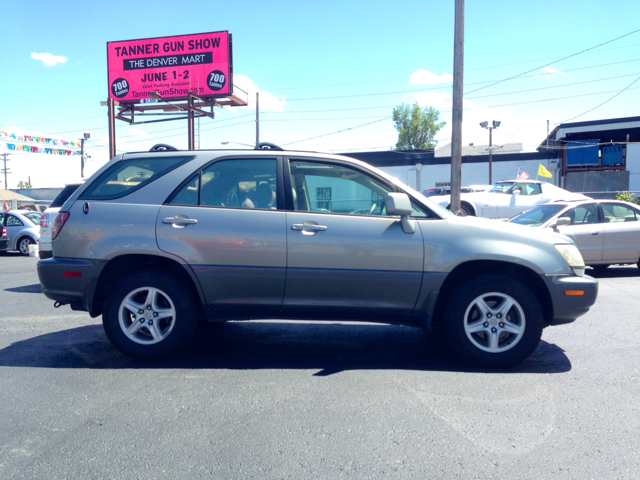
(424, 77)
(548, 72)
(268, 101)
(136, 132)
(48, 59)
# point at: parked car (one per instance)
(4, 240)
(237, 234)
(440, 191)
(606, 232)
(49, 215)
(22, 229)
(509, 197)
(34, 207)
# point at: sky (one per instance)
(328, 73)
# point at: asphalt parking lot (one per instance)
(279, 399)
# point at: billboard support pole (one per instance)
(112, 127)
(190, 123)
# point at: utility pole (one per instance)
(257, 119)
(5, 170)
(456, 121)
(82, 158)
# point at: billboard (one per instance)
(173, 66)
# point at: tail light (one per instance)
(44, 220)
(4, 232)
(58, 223)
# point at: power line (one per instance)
(606, 101)
(339, 131)
(555, 61)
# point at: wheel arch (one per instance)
(123, 265)
(470, 206)
(468, 270)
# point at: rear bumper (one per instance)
(566, 307)
(70, 281)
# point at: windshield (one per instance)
(537, 215)
(502, 187)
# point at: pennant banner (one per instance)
(36, 139)
(13, 139)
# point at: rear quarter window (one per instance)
(127, 176)
(63, 195)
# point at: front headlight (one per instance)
(572, 256)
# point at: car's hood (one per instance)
(501, 229)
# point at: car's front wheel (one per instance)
(150, 315)
(493, 321)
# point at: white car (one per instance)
(508, 198)
(49, 216)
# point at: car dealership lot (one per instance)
(268, 400)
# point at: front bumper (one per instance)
(566, 307)
(70, 281)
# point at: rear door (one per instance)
(621, 233)
(226, 224)
(344, 253)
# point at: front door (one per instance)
(585, 230)
(343, 253)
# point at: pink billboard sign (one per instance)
(172, 66)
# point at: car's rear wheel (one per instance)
(150, 315)
(468, 209)
(23, 245)
(599, 268)
(493, 321)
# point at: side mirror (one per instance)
(399, 204)
(561, 222)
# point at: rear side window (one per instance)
(64, 194)
(127, 176)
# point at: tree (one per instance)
(22, 184)
(416, 127)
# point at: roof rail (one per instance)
(267, 146)
(162, 147)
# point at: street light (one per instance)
(237, 143)
(485, 124)
(86, 136)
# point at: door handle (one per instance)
(314, 228)
(595, 232)
(179, 221)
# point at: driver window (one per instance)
(329, 188)
(583, 215)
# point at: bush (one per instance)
(627, 197)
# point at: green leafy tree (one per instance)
(627, 197)
(416, 126)
(22, 184)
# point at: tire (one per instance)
(467, 209)
(168, 320)
(476, 326)
(598, 268)
(23, 245)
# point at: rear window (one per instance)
(64, 194)
(127, 176)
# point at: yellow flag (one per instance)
(543, 172)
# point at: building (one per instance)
(598, 158)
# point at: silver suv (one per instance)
(156, 241)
